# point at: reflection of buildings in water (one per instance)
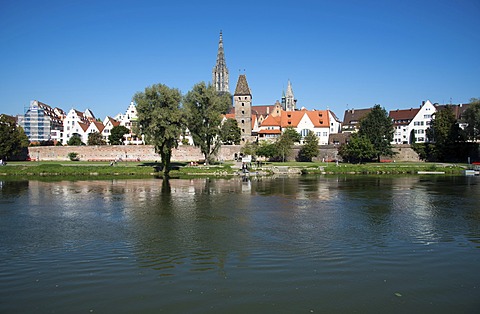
(413, 208)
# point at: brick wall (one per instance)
(183, 153)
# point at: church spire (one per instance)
(220, 71)
(290, 101)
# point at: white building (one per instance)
(414, 122)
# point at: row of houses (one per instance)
(258, 123)
(43, 123)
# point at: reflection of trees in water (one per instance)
(191, 225)
(13, 188)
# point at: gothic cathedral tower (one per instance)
(220, 71)
(242, 100)
(289, 103)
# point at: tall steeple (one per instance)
(290, 101)
(220, 71)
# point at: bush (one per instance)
(73, 156)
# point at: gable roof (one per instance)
(403, 116)
(242, 86)
(112, 121)
(83, 125)
(353, 116)
(319, 118)
(272, 121)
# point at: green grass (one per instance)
(85, 169)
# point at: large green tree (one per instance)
(309, 148)
(230, 133)
(358, 149)
(471, 117)
(447, 136)
(75, 140)
(12, 138)
(204, 108)
(377, 127)
(284, 144)
(160, 119)
(95, 138)
(116, 134)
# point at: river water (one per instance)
(309, 244)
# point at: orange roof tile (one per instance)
(319, 118)
(271, 121)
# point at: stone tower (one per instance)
(288, 101)
(220, 71)
(242, 100)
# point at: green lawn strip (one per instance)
(372, 168)
(105, 169)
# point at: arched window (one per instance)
(304, 132)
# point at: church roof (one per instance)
(242, 86)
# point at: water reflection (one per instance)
(285, 239)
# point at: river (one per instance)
(307, 244)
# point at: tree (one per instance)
(358, 149)
(12, 138)
(309, 148)
(250, 148)
(75, 140)
(266, 149)
(95, 138)
(160, 119)
(285, 142)
(377, 127)
(230, 133)
(471, 117)
(204, 108)
(291, 134)
(116, 135)
(447, 136)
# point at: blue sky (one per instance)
(337, 54)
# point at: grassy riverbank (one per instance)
(377, 168)
(86, 170)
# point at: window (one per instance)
(325, 133)
(243, 104)
(427, 116)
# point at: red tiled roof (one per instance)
(403, 116)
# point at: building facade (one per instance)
(242, 100)
(41, 122)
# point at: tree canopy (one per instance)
(472, 119)
(358, 149)
(160, 119)
(377, 127)
(116, 135)
(447, 136)
(230, 133)
(309, 148)
(12, 138)
(75, 140)
(95, 138)
(204, 108)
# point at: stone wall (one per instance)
(183, 153)
(124, 152)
